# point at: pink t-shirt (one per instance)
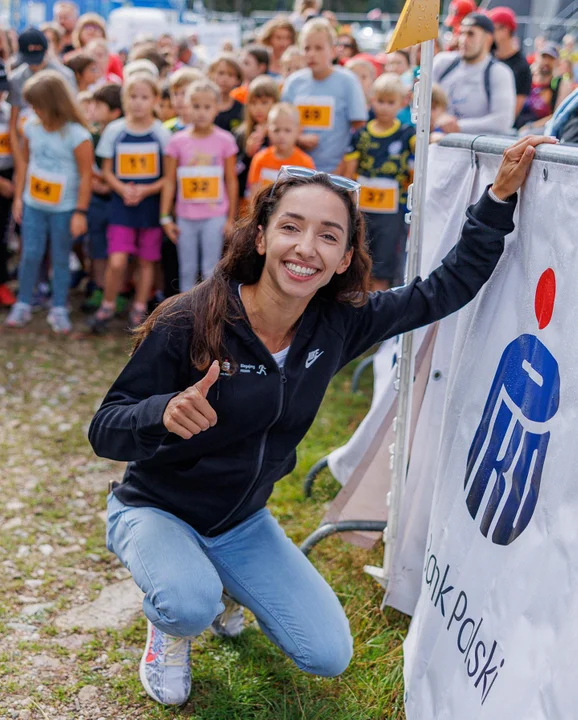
(201, 192)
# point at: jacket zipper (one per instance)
(261, 456)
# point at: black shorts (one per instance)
(386, 239)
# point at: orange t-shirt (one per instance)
(240, 94)
(265, 165)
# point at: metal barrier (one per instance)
(562, 153)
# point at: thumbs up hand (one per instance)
(189, 413)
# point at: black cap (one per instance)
(479, 20)
(32, 44)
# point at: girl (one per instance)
(252, 134)
(52, 193)
(226, 73)
(88, 27)
(98, 49)
(85, 69)
(277, 34)
(132, 149)
(200, 167)
(225, 382)
(293, 59)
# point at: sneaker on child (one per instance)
(19, 316)
(165, 667)
(59, 321)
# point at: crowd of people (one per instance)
(140, 163)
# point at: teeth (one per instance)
(300, 270)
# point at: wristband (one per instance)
(81, 212)
(166, 220)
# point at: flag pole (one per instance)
(406, 362)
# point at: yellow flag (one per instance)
(418, 22)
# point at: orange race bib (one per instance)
(201, 183)
(378, 195)
(316, 113)
(138, 161)
(46, 187)
(5, 149)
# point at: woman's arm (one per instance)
(129, 424)
(462, 273)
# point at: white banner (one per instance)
(496, 626)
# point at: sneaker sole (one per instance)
(142, 674)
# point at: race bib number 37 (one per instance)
(137, 161)
(378, 196)
(316, 113)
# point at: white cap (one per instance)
(141, 66)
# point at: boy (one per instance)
(226, 73)
(382, 156)
(165, 110)
(254, 61)
(283, 131)
(178, 84)
(292, 60)
(107, 107)
(439, 108)
(366, 73)
(330, 99)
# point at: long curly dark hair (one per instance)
(210, 305)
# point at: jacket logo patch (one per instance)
(312, 357)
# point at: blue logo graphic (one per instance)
(507, 455)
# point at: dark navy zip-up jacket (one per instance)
(218, 478)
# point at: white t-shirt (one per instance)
(468, 100)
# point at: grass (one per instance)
(53, 490)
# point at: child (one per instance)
(178, 84)
(366, 73)
(381, 156)
(107, 109)
(226, 73)
(200, 166)
(165, 110)
(292, 60)
(132, 149)
(85, 101)
(52, 193)
(7, 298)
(439, 107)
(283, 130)
(330, 99)
(254, 62)
(252, 134)
(85, 69)
(277, 34)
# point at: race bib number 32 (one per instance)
(137, 161)
(200, 183)
(316, 113)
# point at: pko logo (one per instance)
(507, 455)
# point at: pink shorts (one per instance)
(144, 243)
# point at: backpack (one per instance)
(487, 85)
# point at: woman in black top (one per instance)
(225, 381)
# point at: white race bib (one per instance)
(46, 187)
(201, 183)
(316, 112)
(378, 195)
(138, 161)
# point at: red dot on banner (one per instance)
(545, 298)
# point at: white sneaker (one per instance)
(231, 622)
(19, 316)
(59, 321)
(165, 667)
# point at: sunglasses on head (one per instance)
(294, 171)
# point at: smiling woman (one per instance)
(225, 381)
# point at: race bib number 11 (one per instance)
(137, 161)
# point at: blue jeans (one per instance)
(199, 241)
(183, 575)
(37, 227)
